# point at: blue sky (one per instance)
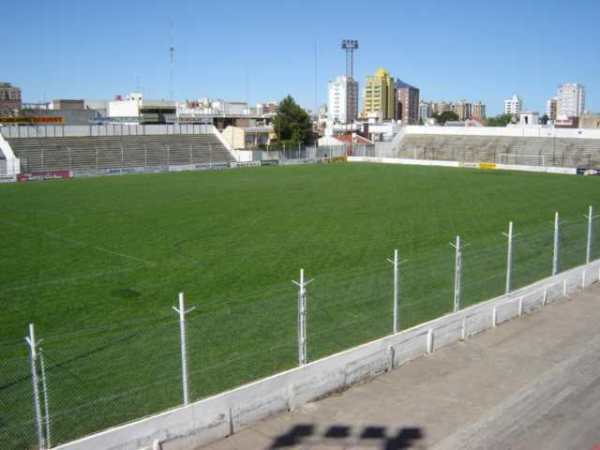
(264, 49)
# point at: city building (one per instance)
(527, 119)
(67, 104)
(407, 109)
(465, 110)
(342, 104)
(380, 97)
(60, 111)
(571, 100)
(10, 99)
(462, 110)
(440, 107)
(513, 105)
(478, 111)
(135, 110)
(589, 121)
(267, 108)
(245, 138)
(425, 111)
(552, 108)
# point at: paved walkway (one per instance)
(532, 383)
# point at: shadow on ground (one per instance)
(344, 436)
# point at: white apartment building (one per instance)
(513, 105)
(424, 111)
(571, 100)
(342, 104)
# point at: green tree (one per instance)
(499, 121)
(446, 116)
(544, 119)
(292, 124)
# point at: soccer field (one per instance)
(97, 263)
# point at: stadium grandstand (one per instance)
(563, 148)
(87, 150)
(543, 151)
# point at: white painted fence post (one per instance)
(457, 274)
(520, 306)
(36, 388)
(430, 341)
(509, 257)
(182, 342)
(46, 404)
(302, 336)
(588, 252)
(556, 245)
(395, 263)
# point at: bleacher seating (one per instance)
(118, 152)
(501, 149)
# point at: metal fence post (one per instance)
(45, 394)
(588, 248)
(302, 337)
(395, 263)
(457, 274)
(509, 257)
(184, 371)
(122, 157)
(556, 245)
(35, 382)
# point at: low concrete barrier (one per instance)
(217, 417)
(469, 165)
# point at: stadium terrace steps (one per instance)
(115, 152)
(518, 150)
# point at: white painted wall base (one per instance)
(469, 165)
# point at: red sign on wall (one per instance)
(40, 176)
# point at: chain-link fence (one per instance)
(56, 388)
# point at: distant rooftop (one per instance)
(401, 84)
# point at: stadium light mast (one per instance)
(349, 46)
(171, 68)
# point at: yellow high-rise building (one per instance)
(380, 96)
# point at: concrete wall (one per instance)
(516, 131)
(235, 137)
(219, 416)
(486, 166)
(10, 165)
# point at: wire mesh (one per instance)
(17, 427)
(103, 375)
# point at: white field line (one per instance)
(58, 237)
(67, 279)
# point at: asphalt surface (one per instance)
(532, 383)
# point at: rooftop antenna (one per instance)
(349, 46)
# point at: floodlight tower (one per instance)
(349, 46)
(171, 69)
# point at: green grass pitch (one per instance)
(97, 263)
